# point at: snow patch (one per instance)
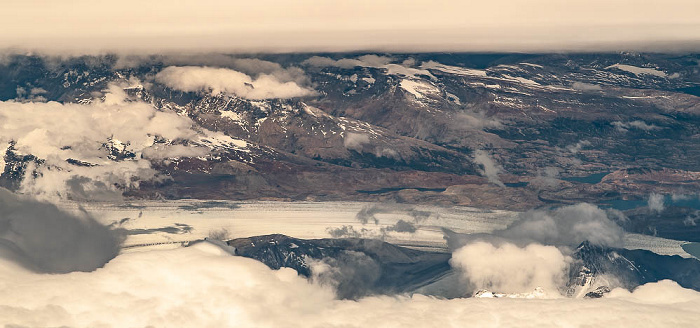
(521, 80)
(394, 69)
(638, 70)
(3, 150)
(537, 293)
(419, 89)
(233, 116)
(532, 65)
(216, 140)
(453, 69)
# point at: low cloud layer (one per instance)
(223, 80)
(204, 286)
(43, 238)
(93, 149)
(423, 25)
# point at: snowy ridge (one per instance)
(638, 70)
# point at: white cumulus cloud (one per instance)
(508, 268)
(224, 80)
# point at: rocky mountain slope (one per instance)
(500, 131)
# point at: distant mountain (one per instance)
(558, 128)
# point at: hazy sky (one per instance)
(275, 25)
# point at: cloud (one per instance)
(33, 94)
(43, 238)
(355, 141)
(83, 149)
(577, 147)
(564, 226)
(683, 197)
(249, 66)
(361, 143)
(203, 286)
(362, 61)
(368, 214)
(691, 219)
(546, 178)
(508, 268)
(490, 168)
(222, 80)
(476, 120)
(172, 151)
(656, 202)
(582, 86)
(567, 225)
(348, 231)
(351, 274)
(402, 226)
(374, 61)
(641, 125)
(392, 25)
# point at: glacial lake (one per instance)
(623, 205)
(692, 249)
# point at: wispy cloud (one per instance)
(490, 168)
(641, 125)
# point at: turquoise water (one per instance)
(591, 179)
(622, 205)
(385, 190)
(692, 249)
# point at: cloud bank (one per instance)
(93, 148)
(315, 25)
(223, 80)
(204, 286)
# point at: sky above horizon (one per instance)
(342, 25)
